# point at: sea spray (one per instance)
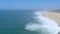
(43, 25)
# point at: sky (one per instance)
(29, 4)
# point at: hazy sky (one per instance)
(29, 4)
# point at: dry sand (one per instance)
(53, 15)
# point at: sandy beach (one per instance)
(53, 15)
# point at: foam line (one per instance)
(44, 25)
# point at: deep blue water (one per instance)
(14, 21)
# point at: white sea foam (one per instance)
(44, 25)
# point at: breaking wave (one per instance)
(42, 25)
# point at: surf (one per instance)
(42, 25)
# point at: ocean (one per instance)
(14, 21)
(25, 22)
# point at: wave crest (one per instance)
(44, 25)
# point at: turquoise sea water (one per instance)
(14, 21)
(26, 22)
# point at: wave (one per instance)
(43, 25)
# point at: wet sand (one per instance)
(53, 15)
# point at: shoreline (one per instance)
(53, 15)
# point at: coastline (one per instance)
(53, 15)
